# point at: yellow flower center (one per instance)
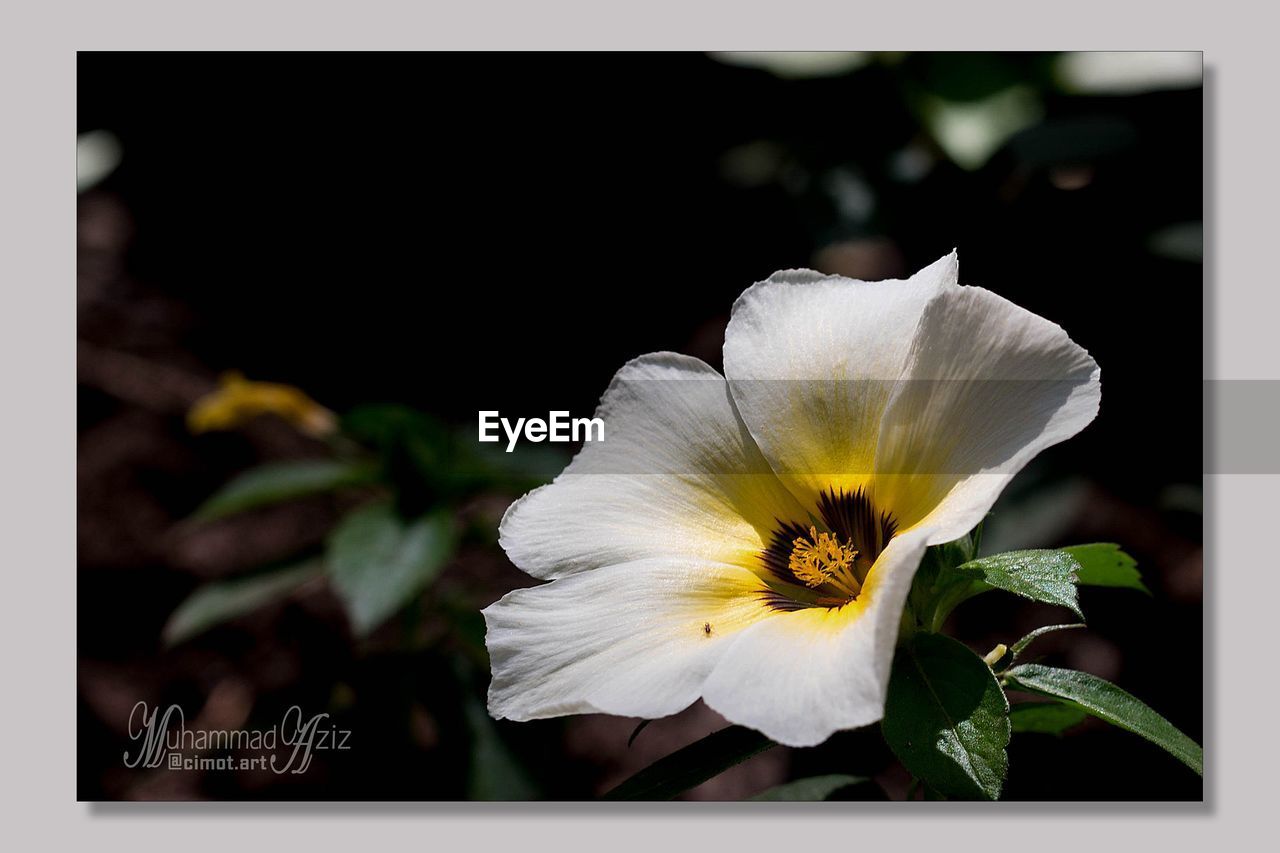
(821, 559)
(807, 567)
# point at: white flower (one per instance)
(750, 539)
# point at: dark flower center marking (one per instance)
(825, 563)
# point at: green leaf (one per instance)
(938, 587)
(416, 450)
(813, 789)
(1047, 576)
(1021, 646)
(283, 481)
(215, 603)
(496, 774)
(687, 768)
(378, 562)
(946, 718)
(1107, 702)
(1050, 718)
(1104, 564)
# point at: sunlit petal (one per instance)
(812, 361)
(636, 639)
(676, 475)
(988, 385)
(800, 676)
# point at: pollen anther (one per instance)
(820, 558)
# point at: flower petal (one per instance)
(677, 474)
(800, 676)
(812, 361)
(988, 385)
(636, 639)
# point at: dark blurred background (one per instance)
(460, 232)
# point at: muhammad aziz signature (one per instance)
(286, 747)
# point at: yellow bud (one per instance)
(238, 400)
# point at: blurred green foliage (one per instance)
(413, 472)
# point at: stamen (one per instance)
(806, 568)
(821, 559)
